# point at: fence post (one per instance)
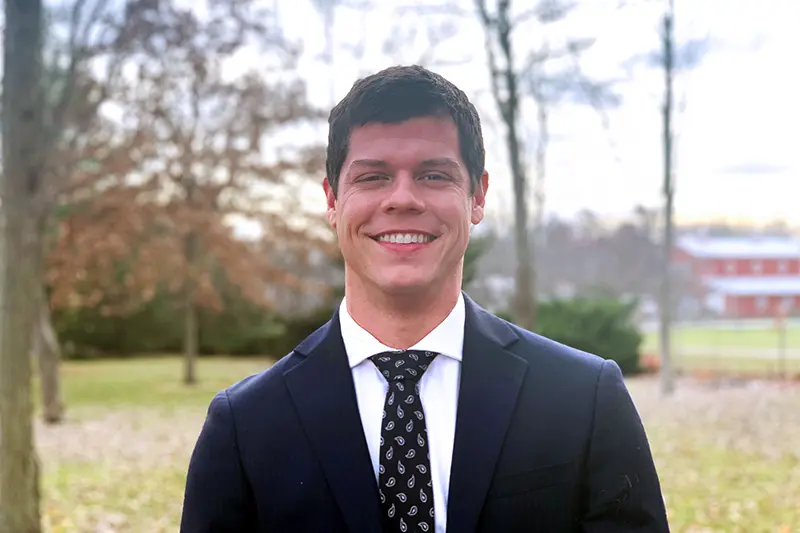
(780, 324)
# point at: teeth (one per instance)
(405, 238)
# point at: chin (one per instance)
(406, 286)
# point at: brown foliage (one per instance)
(187, 153)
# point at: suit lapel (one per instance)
(491, 378)
(321, 387)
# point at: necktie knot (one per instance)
(403, 365)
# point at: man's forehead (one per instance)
(406, 148)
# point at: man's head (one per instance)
(405, 180)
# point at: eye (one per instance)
(370, 177)
(434, 177)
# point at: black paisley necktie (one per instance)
(404, 481)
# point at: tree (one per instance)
(47, 351)
(412, 41)
(533, 77)
(327, 11)
(665, 300)
(671, 59)
(498, 28)
(185, 158)
(549, 88)
(20, 260)
(85, 45)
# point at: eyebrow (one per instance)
(440, 162)
(374, 163)
(436, 162)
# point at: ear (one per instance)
(330, 197)
(479, 198)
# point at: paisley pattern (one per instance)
(405, 484)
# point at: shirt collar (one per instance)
(446, 339)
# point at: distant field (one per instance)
(739, 366)
(760, 338)
(744, 349)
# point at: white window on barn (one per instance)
(761, 303)
(783, 267)
(730, 267)
(757, 267)
(787, 304)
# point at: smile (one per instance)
(405, 238)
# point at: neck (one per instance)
(400, 320)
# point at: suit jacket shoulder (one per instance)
(253, 388)
(576, 426)
(545, 356)
(253, 391)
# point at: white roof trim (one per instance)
(756, 286)
(740, 247)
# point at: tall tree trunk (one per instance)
(190, 332)
(20, 262)
(524, 303)
(48, 353)
(666, 300)
(542, 143)
(190, 340)
(505, 88)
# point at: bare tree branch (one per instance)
(434, 33)
(545, 12)
(440, 9)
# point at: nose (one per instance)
(404, 195)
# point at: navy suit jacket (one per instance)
(547, 440)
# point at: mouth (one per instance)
(405, 238)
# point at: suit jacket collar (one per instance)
(322, 389)
(491, 379)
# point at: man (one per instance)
(414, 409)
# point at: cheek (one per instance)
(351, 216)
(462, 214)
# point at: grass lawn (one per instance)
(738, 366)
(729, 458)
(715, 338)
(151, 382)
(752, 351)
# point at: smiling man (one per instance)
(413, 409)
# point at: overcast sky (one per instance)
(737, 132)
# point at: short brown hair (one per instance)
(397, 94)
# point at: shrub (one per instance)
(603, 326)
(297, 328)
(87, 333)
(241, 328)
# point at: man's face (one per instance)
(404, 207)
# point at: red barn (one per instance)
(744, 277)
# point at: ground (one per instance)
(728, 455)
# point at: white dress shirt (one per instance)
(438, 393)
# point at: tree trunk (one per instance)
(190, 343)
(524, 303)
(666, 299)
(20, 262)
(190, 338)
(48, 353)
(542, 143)
(509, 104)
